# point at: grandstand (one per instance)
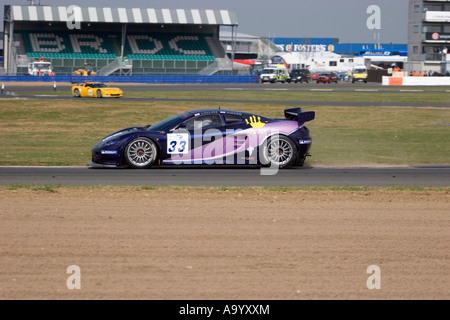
(117, 41)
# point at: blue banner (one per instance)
(138, 79)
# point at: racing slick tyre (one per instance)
(76, 93)
(278, 151)
(99, 94)
(141, 153)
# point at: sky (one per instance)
(342, 19)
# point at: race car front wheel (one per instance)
(141, 153)
(99, 93)
(279, 151)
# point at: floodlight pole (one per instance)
(10, 55)
(122, 44)
(233, 44)
(6, 47)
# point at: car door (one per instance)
(198, 140)
(236, 140)
(334, 77)
(85, 90)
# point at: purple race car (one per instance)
(210, 136)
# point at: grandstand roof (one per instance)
(122, 15)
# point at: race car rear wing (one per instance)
(299, 115)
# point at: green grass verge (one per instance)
(286, 94)
(61, 132)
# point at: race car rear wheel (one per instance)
(141, 153)
(76, 93)
(279, 151)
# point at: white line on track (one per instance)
(45, 167)
(312, 167)
(411, 90)
(328, 90)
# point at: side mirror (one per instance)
(179, 127)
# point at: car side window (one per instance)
(204, 122)
(232, 118)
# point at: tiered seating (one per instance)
(146, 44)
(168, 47)
(67, 46)
(172, 46)
(151, 53)
(195, 47)
(89, 43)
(53, 43)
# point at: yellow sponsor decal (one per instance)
(255, 122)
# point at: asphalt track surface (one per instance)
(46, 90)
(228, 176)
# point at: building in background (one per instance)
(116, 41)
(252, 53)
(328, 54)
(2, 70)
(429, 36)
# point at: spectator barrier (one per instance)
(416, 81)
(178, 79)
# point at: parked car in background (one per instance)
(343, 76)
(274, 74)
(86, 70)
(314, 76)
(327, 77)
(299, 75)
(359, 74)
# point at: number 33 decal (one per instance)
(177, 143)
(176, 147)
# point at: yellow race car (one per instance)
(83, 72)
(86, 70)
(95, 90)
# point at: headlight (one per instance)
(109, 142)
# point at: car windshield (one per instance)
(268, 71)
(168, 123)
(42, 65)
(98, 85)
